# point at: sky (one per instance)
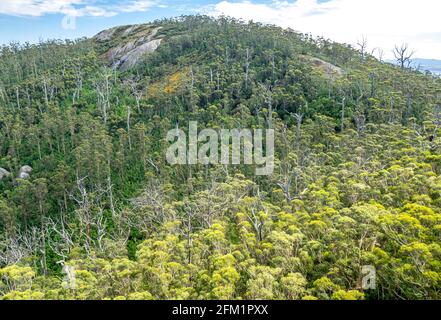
(384, 23)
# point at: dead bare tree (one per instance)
(268, 98)
(3, 95)
(299, 119)
(150, 209)
(84, 211)
(437, 123)
(247, 67)
(45, 84)
(360, 122)
(403, 55)
(122, 230)
(136, 90)
(64, 241)
(191, 87)
(25, 244)
(12, 250)
(391, 109)
(359, 115)
(90, 213)
(254, 217)
(287, 173)
(380, 52)
(137, 93)
(78, 82)
(104, 91)
(188, 230)
(362, 46)
(100, 224)
(342, 115)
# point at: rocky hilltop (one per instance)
(124, 46)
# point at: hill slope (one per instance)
(356, 183)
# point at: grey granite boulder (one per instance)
(25, 173)
(127, 45)
(131, 58)
(4, 173)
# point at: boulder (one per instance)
(130, 59)
(327, 69)
(25, 173)
(4, 173)
(105, 35)
(127, 45)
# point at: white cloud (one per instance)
(140, 5)
(383, 22)
(77, 8)
(35, 7)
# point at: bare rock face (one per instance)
(4, 173)
(131, 58)
(105, 35)
(25, 173)
(128, 44)
(327, 69)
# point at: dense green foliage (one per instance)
(357, 178)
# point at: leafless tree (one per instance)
(437, 124)
(78, 82)
(247, 67)
(149, 209)
(64, 241)
(84, 215)
(268, 98)
(299, 119)
(24, 244)
(188, 230)
(12, 250)
(362, 45)
(217, 80)
(380, 52)
(137, 91)
(359, 115)
(343, 106)
(17, 95)
(254, 217)
(360, 122)
(109, 190)
(90, 213)
(154, 165)
(287, 174)
(403, 55)
(104, 91)
(100, 224)
(3, 95)
(45, 84)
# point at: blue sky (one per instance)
(383, 22)
(33, 24)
